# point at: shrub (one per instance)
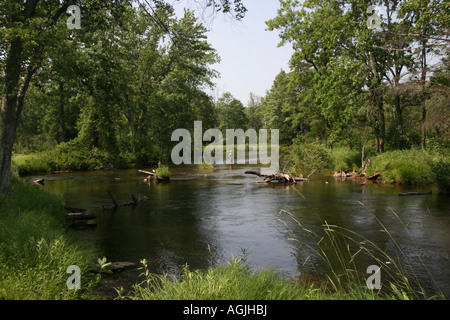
(441, 175)
(304, 156)
(31, 163)
(408, 167)
(74, 155)
(162, 171)
(342, 158)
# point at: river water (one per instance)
(204, 217)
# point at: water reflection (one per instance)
(204, 217)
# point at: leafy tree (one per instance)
(30, 31)
(343, 69)
(254, 112)
(230, 113)
(99, 66)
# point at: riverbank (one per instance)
(405, 167)
(412, 167)
(36, 249)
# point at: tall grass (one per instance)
(407, 167)
(162, 171)
(36, 250)
(345, 253)
(344, 158)
(232, 281)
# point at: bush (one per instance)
(441, 175)
(31, 163)
(407, 167)
(304, 157)
(74, 155)
(162, 171)
(342, 158)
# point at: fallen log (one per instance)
(413, 193)
(72, 209)
(374, 177)
(279, 177)
(80, 215)
(135, 201)
(114, 267)
(39, 181)
(147, 172)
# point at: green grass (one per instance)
(31, 163)
(345, 253)
(407, 167)
(343, 158)
(233, 281)
(162, 171)
(36, 249)
(205, 165)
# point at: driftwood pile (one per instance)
(277, 177)
(354, 174)
(151, 176)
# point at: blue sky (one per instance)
(250, 58)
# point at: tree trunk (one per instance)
(422, 94)
(62, 122)
(11, 108)
(401, 143)
(379, 102)
(8, 119)
(382, 124)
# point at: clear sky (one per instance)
(250, 57)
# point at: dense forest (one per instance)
(111, 93)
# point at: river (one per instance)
(204, 217)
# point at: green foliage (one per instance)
(230, 113)
(114, 93)
(344, 251)
(35, 249)
(441, 174)
(74, 155)
(343, 158)
(162, 171)
(205, 165)
(278, 107)
(408, 167)
(31, 163)
(306, 156)
(233, 281)
(345, 80)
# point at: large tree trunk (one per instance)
(379, 102)
(12, 103)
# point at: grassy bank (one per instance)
(36, 249)
(413, 167)
(405, 167)
(236, 281)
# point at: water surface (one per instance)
(205, 217)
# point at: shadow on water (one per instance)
(203, 217)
